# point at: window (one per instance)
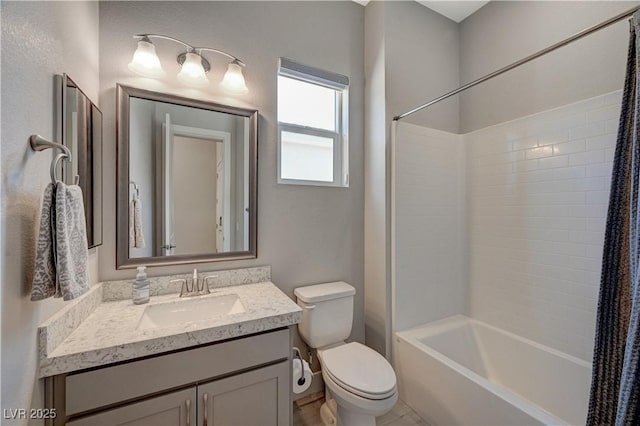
(313, 143)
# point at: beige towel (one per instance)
(62, 253)
(132, 229)
(136, 236)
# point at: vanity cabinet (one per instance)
(242, 381)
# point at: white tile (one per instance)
(553, 162)
(590, 129)
(536, 229)
(601, 142)
(603, 169)
(609, 154)
(589, 157)
(594, 251)
(611, 125)
(570, 248)
(597, 197)
(536, 176)
(526, 143)
(596, 210)
(613, 98)
(586, 237)
(569, 147)
(569, 173)
(524, 166)
(602, 114)
(553, 137)
(543, 151)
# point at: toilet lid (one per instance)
(360, 370)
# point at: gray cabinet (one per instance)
(172, 409)
(254, 398)
(245, 381)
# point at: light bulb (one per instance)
(192, 72)
(233, 80)
(145, 61)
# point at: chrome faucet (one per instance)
(195, 286)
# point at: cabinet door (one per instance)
(256, 398)
(172, 409)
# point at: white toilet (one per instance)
(360, 380)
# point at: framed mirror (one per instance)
(81, 132)
(187, 172)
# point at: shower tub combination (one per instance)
(460, 371)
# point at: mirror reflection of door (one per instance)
(191, 156)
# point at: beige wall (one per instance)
(503, 32)
(376, 268)
(411, 53)
(422, 62)
(39, 39)
(307, 234)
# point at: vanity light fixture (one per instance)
(233, 80)
(145, 60)
(193, 65)
(193, 72)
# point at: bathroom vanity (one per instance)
(118, 366)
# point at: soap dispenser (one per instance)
(141, 287)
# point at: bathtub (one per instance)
(460, 371)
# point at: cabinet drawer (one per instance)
(172, 409)
(110, 385)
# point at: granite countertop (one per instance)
(109, 332)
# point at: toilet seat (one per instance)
(360, 370)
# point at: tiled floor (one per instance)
(306, 412)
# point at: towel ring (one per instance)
(54, 165)
(38, 143)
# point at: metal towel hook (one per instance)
(38, 143)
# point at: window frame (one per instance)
(338, 83)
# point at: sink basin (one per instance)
(190, 310)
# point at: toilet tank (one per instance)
(327, 313)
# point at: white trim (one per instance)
(291, 128)
(311, 131)
(167, 191)
(245, 171)
(340, 136)
(390, 287)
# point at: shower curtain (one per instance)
(615, 386)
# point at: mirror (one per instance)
(186, 180)
(81, 132)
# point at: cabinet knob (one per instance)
(188, 404)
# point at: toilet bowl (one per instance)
(360, 380)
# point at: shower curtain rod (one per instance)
(523, 61)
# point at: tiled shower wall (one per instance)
(537, 195)
(522, 249)
(430, 226)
